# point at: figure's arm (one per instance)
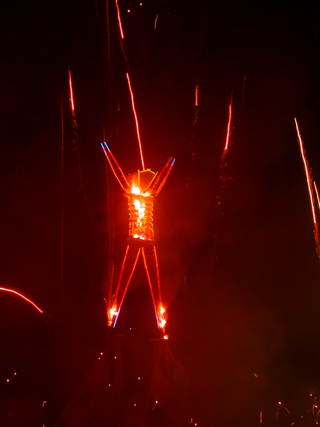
(163, 176)
(117, 171)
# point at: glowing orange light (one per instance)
(135, 118)
(135, 190)
(71, 92)
(119, 20)
(140, 195)
(228, 127)
(23, 297)
(165, 337)
(113, 312)
(161, 319)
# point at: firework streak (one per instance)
(11, 291)
(309, 184)
(223, 178)
(122, 40)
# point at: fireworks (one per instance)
(12, 291)
(309, 184)
(135, 118)
(71, 93)
(226, 146)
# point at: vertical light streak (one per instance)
(196, 103)
(136, 119)
(228, 127)
(309, 183)
(119, 20)
(71, 92)
(307, 172)
(23, 297)
(155, 22)
(317, 194)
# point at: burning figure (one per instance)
(141, 192)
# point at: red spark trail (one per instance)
(71, 92)
(307, 172)
(309, 183)
(196, 95)
(23, 297)
(119, 20)
(317, 194)
(228, 127)
(136, 119)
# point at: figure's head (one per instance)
(143, 180)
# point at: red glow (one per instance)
(71, 92)
(136, 119)
(119, 20)
(23, 297)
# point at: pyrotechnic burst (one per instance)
(310, 184)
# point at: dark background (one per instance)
(241, 282)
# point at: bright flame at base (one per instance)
(112, 313)
(161, 320)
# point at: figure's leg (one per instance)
(128, 266)
(150, 260)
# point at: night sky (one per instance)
(240, 279)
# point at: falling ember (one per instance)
(136, 119)
(23, 297)
(228, 127)
(317, 194)
(71, 93)
(309, 183)
(155, 22)
(119, 20)
(196, 96)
